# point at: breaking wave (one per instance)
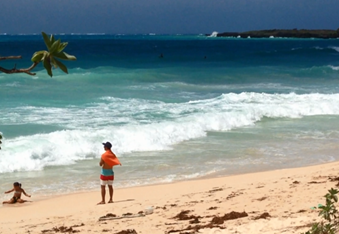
(134, 125)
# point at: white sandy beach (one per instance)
(286, 195)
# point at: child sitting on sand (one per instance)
(17, 194)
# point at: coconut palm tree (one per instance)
(50, 57)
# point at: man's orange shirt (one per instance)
(110, 158)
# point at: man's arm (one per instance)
(101, 163)
(9, 191)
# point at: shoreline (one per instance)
(286, 195)
(215, 175)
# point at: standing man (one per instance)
(107, 162)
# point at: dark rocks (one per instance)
(335, 179)
(183, 215)
(128, 231)
(195, 220)
(216, 222)
(63, 229)
(127, 214)
(107, 216)
(110, 215)
(229, 216)
(262, 198)
(215, 190)
(263, 216)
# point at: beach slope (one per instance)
(267, 202)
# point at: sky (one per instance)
(164, 16)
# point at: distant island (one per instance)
(291, 33)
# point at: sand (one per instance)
(285, 197)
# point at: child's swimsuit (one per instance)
(16, 198)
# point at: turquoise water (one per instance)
(209, 107)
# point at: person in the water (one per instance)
(18, 190)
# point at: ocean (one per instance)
(175, 107)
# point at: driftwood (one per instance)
(15, 70)
(104, 218)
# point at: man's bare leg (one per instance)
(110, 188)
(103, 195)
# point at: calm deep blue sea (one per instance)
(207, 107)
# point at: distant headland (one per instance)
(290, 33)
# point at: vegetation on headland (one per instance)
(50, 57)
(291, 33)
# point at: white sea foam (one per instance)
(94, 34)
(13, 84)
(336, 48)
(143, 125)
(335, 68)
(213, 34)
